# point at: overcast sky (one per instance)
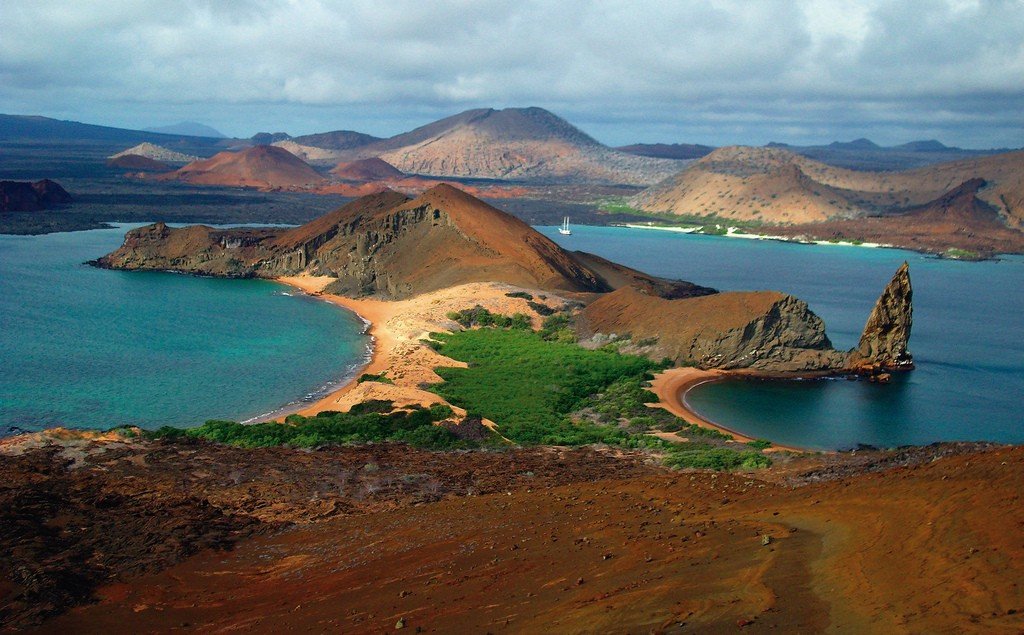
(714, 72)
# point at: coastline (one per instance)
(373, 313)
(732, 232)
(672, 385)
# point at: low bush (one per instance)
(712, 458)
(367, 422)
(382, 378)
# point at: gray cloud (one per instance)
(713, 72)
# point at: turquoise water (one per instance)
(967, 339)
(95, 348)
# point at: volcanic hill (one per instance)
(19, 196)
(259, 166)
(362, 170)
(776, 186)
(390, 246)
(958, 218)
(156, 153)
(138, 162)
(521, 144)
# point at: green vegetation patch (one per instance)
(367, 422)
(382, 378)
(715, 458)
(961, 254)
(528, 385)
(479, 316)
(542, 388)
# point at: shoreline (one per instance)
(732, 232)
(671, 387)
(374, 362)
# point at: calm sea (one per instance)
(967, 339)
(95, 348)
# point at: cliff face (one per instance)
(761, 330)
(388, 246)
(883, 345)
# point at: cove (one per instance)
(96, 348)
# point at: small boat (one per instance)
(564, 229)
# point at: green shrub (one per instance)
(760, 444)
(528, 385)
(519, 294)
(368, 422)
(710, 458)
(541, 309)
(479, 316)
(382, 378)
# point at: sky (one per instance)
(715, 72)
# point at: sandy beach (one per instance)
(671, 387)
(398, 328)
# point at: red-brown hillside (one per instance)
(373, 169)
(259, 166)
(389, 246)
(137, 162)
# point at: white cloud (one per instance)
(628, 68)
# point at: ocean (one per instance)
(967, 338)
(94, 348)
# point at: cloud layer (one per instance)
(714, 72)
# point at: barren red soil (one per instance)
(926, 540)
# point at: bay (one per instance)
(967, 339)
(95, 348)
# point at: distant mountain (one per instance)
(517, 144)
(926, 146)
(958, 218)
(856, 144)
(777, 186)
(22, 127)
(309, 154)
(259, 166)
(667, 150)
(863, 154)
(189, 129)
(335, 140)
(269, 138)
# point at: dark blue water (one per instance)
(94, 348)
(967, 340)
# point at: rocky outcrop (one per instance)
(388, 246)
(20, 196)
(760, 330)
(883, 345)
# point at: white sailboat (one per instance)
(564, 229)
